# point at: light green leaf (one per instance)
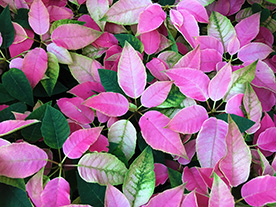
(15, 182)
(174, 98)
(175, 177)
(64, 21)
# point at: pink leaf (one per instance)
(79, 142)
(10, 126)
(108, 103)
(188, 120)
(220, 194)
(56, 193)
(267, 139)
(260, 190)
(266, 123)
(152, 125)
(131, 72)
(20, 160)
(61, 53)
(209, 42)
(35, 65)
(89, 22)
(1, 39)
(20, 33)
(151, 18)
(16, 63)
(210, 142)
(4, 142)
(39, 17)
(156, 66)
(248, 28)
(233, 45)
(97, 9)
(106, 40)
(209, 60)
(56, 13)
(73, 108)
(190, 60)
(265, 36)
(115, 198)
(34, 188)
(190, 149)
(151, 41)
(102, 118)
(236, 164)
(234, 104)
(161, 174)
(156, 93)
(189, 200)
(100, 145)
(219, 84)
(174, 196)
(191, 82)
(74, 36)
(266, 97)
(254, 51)
(267, 169)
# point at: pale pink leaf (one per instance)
(115, 198)
(267, 139)
(20, 160)
(20, 33)
(174, 196)
(194, 8)
(39, 17)
(220, 194)
(152, 125)
(188, 120)
(16, 63)
(191, 82)
(209, 42)
(161, 174)
(4, 142)
(151, 41)
(156, 66)
(151, 18)
(74, 36)
(267, 169)
(108, 103)
(35, 65)
(260, 190)
(233, 46)
(79, 142)
(100, 145)
(10, 126)
(176, 17)
(190, 60)
(97, 9)
(156, 93)
(209, 59)
(210, 142)
(219, 84)
(248, 28)
(61, 53)
(189, 200)
(254, 51)
(34, 187)
(102, 118)
(131, 72)
(236, 164)
(56, 193)
(126, 12)
(73, 108)
(234, 104)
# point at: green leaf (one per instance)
(22, 18)
(115, 150)
(55, 128)
(175, 177)
(134, 41)
(18, 86)
(174, 99)
(109, 80)
(170, 36)
(6, 114)
(139, 182)
(15, 182)
(264, 15)
(5, 96)
(39, 90)
(166, 2)
(241, 122)
(272, 1)
(64, 21)
(91, 193)
(269, 24)
(6, 28)
(51, 73)
(12, 196)
(150, 77)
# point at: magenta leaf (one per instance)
(100, 145)
(97, 9)
(20, 33)
(190, 149)
(267, 139)
(10, 126)
(260, 190)
(152, 125)
(191, 82)
(20, 160)
(267, 169)
(188, 120)
(151, 41)
(108, 103)
(156, 66)
(189, 200)
(35, 65)
(190, 60)
(79, 142)
(161, 174)
(74, 36)
(234, 104)
(4, 142)
(209, 42)
(115, 198)
(254, 51)
(56, 193)
(233, 45)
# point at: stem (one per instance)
(4, 57)
(214, 105)
(52, 161)
(208, 105)
(53, 173)
(59, 155)
(220, 105)
(239, 200)
(70, 165)
(63, 160)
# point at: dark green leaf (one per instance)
(15, 182)
(256, 8)
(91, 193)
(6, 28)
(18, 86)
(5, 96)
(134, 41)
(13, 197)
(64, 21)
(241, 122)
(6, 114)
(22, 18)
(175, 177)
(150, 77)
(109, 80)
(175, 97)
(55, 128)
(115, 150)
(39, 91)
(265, 14)
(166, 2)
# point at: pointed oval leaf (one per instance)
(191, 82)
(152, 125)
(151, 41)
(254, 51)
(139, 182)
(61, 53)
(20, 160)
(189, 200)
(79, 142)
(10, 126)
(6, 28)
(34, 187)
(209, 42)
(190, 60)
(102, 168)
(56, 193)
(124, 134)
(97, 9)
(234, 105)
(74, 36)
(156, 66)
(188, 120)
(115, 198)
(131, 72)
(20, 33)
(39, 17)
(108, 103)
(156, 93)
(267, 139)
(161, 174)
